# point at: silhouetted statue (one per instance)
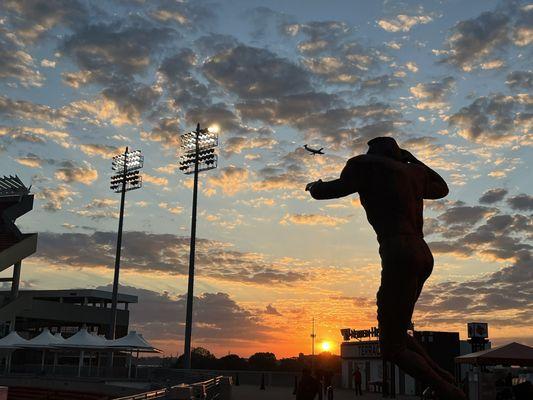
(392, 184)
(308, 387)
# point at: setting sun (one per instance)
(326, 346)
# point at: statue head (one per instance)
(385, 146)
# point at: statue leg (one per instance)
(403, 274)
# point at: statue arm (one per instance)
(436, 187)
(336, 188)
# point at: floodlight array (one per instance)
(207, 159)
(127, 166)
(202, 141)
(206, 140)
(134, 160)
(133, 181)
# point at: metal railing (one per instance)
(154, 394)
(206, 390)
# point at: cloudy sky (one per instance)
(450, 80)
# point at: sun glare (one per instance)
(326, 346)
(214, 128)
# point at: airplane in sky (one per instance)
(313, 151)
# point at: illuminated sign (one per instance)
(348, 334)
(373, 332)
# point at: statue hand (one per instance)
(310, 185)
(408, 157)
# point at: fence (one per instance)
(211, 389)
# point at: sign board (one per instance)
(355, 350)
(478, 330)
(348, 334)
(373, 332)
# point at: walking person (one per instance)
(357, 381)
(392, 185)
(308, 387)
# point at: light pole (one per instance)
(198, 154)
(313, 337)
(127, 166)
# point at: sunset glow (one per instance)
(81, 82)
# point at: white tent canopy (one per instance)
(83, 339)
(133, 341)
(13, 341)
(45, 340)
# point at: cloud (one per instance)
(34, 135)
(474, 42)
(313, 219)
(22, 109)
(174, 209)
(520, 80)
(493, 196)
(69, 172)
(489, 297)
(102, 150)
(155, 180)
(230, 180)
(403, 23)
(236, 144)
(432, 95)
(523, 202)
(465, 215)
(255, 73)
(17, 64)
(494, 119)
(112, 53)
(189, 15)
(271, 310)
(180, 81)
(99, 209)
(31, 160)
(55, 198)
(148, 252)
(31, 19)
(217, 318)
(166, 132)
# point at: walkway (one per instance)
(246, 392)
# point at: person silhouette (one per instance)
(309, 386)
(392, 185)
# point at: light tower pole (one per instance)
(313, 337)
(127, 178)
(198, 154)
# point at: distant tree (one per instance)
(232, 362)
(201, 358)
(262, 361)
(291, 364)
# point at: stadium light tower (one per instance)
(127, 177)
(197, 154)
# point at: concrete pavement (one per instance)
(247, 392)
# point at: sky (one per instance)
(450, 80)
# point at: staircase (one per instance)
(15, 201)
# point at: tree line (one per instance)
(202, 358)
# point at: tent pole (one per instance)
(98, 358)
(42, 360)
(54, 364)
(129, 364)
(80, 363)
